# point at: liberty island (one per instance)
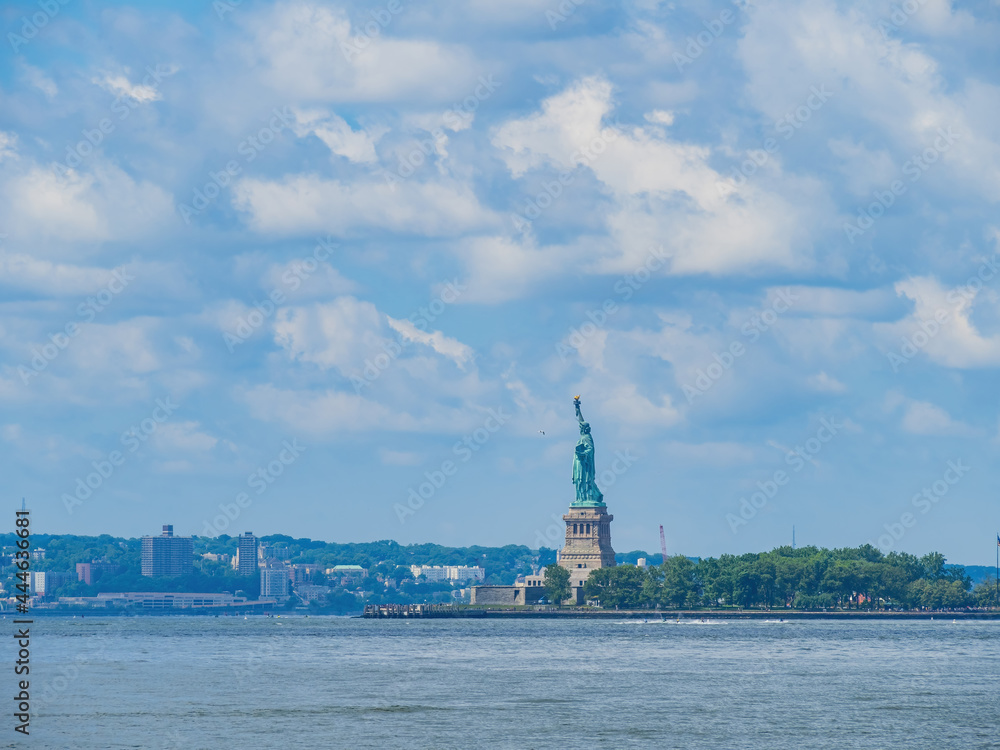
(588, 534)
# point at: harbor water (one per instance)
(324, 682)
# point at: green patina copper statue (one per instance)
(584, 473)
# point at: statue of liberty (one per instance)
(584, 473)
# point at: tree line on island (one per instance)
(804, 578)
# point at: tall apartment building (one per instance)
(247, 553)
(167, 555)
(274, 581)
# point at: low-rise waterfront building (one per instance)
(528, 591)
(159, 600)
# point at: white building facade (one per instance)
(434, 573)
(274, 583)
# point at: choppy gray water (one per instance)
(191, 682)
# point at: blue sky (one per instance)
(286, 267)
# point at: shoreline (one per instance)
(467, 612)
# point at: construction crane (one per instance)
(663, 544)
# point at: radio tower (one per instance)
(663, 544)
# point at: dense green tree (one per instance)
(620, 586)
(938, 594)
(715, 574)
(652, 585)
(680, 586)
(933, 564)
(985, 594)
(556, 581)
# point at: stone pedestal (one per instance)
(588, 543)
